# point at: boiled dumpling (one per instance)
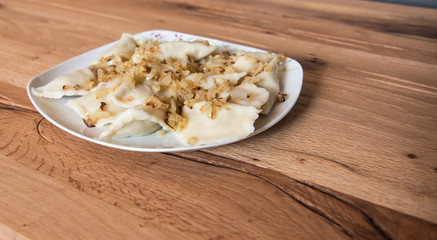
(99, 112)
(163, 93)
(128, 97)
(211, 80)
(80, 82)
(181, 49)
(76, 83)
(249, 94)
(178, 50)
(135, 122)
(120, 129)
(97, 106)
(270, 82)
(248, 61)
(263, 56)
(232, 77)
(126, 44)
(269, 79)
(231, 122)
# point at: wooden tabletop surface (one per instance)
(356, 158)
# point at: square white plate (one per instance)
(54, 110)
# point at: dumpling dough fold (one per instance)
(92, 102)
(128, 97)
(249, 94)
(126, 44)
(135, 122)
(270, 82)
(232, 77)
(269, 79)
(181, 49)
(75, 83)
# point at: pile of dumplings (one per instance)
(193, 89)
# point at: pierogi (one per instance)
(200, 93)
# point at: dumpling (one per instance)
(231, 122)
(135, 122)
(96, 107)
(128, 97)
(96, 111)
(76, 83)
(232, 77)
(210, 80)
(181, 49)
(80, 82)
(249, 94)
(120, 129)
(269, 80)
(126, 44)
(263, 56)
(247, 62)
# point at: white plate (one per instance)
(65, 118)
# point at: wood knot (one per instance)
(186, 6)
(316, 61)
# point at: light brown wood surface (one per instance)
(355, 159)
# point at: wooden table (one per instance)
(355, 159)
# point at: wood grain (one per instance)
(170, 190)
(37, 207)
(356, 158)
